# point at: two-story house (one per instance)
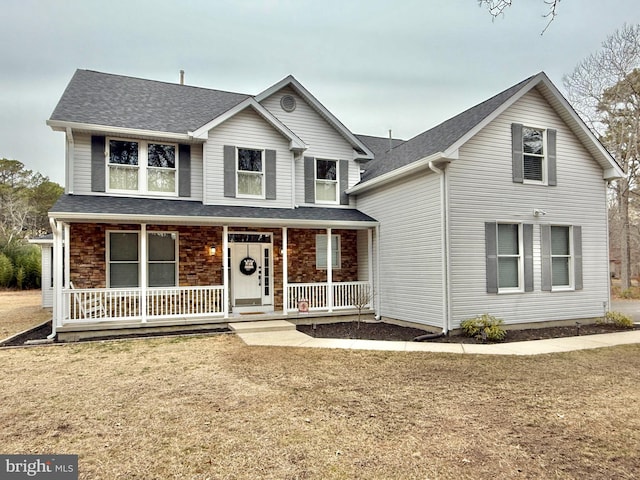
(186, 207)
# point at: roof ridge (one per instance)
(164, 82)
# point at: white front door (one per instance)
(251, 275)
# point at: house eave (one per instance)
(410, 169)
(65, 126)
(75, 217)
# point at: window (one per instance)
(125, 172)
(321, 251)
(509, 257)
(326, 181)
(161, 174)
(560, 257)
(561, 250)
(250, 172)
(534, 154)
(123, 165)
(162, 259)
(123, 259)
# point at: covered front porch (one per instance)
(182, 272)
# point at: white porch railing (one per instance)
(104, 304)
(345, 295)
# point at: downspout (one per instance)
(607, 307)
(377, 293)
(57, 276)
(444, 229)
(69, 167)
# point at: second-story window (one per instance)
(161, 174)
(123, 165)
(326, 181)
(142, 167)
(250, 172)
(534, 154)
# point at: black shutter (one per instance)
(344, 182)
(98, 163)
(309, 180)
(551, 157)
(516, 153)
(491, 251)
(270, 174)
(527, 241)
(184, 170)
(229, 171)
(577, 257)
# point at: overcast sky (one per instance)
(404, 65)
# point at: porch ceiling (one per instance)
(90, 208)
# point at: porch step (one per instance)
(262, 326)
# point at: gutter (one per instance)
(444, 245)
(60, 125)
(240, 221)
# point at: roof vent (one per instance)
(288, 103)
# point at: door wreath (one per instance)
(248, 266)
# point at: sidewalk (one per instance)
(281, 333)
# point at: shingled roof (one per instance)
(439, 138)
(99, 207)
(97, 98)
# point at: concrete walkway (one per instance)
(280, 333)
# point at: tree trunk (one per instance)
(625, 238)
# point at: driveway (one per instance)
(628, 307)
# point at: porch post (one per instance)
(329, 273)
(67, 256)
(370, 267)
(285, 273)
(377, 279)
(58, 301)
(225, 269)
(143, 271)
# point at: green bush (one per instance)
(6, 270)
(485, 326)
(618, 319)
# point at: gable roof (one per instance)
(443, 141)
(364, 152)
(95, 98)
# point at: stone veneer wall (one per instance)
(198, 268)
(302, 256)
(195, 266)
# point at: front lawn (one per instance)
(211, 407)
(19, 310)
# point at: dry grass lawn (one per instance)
(19, 310)
(211, 407)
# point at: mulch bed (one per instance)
(387, 331)
(43, 331)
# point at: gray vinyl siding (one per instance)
(363, 256)
(246, 129)
(82, 168)
(322, 140)
(410, 254)
(482, 190)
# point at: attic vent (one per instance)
(288, 103)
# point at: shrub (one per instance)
(6, 270)
(487, 326)
(618, 319)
